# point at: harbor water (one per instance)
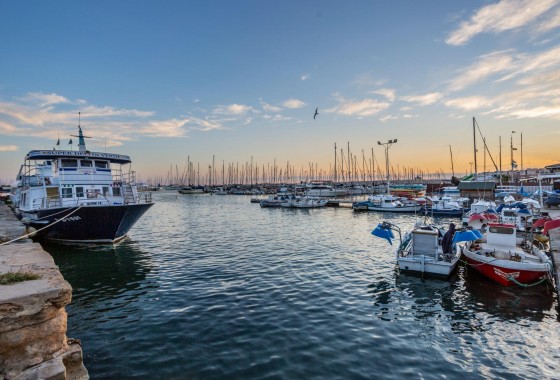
(216, 287)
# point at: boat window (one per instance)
(93, 193)
(66, 192)
(105, 191)
(68, 163)
(502, 230)
(79, 192)
(86, 163)
(101, 164)
(116, 191)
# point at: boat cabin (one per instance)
(501, 235)
(425, 241)
(66, 178)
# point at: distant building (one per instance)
(477, 189)
(553, 168)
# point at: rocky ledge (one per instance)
(33, 342)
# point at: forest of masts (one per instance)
(348, 168)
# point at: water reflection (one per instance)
(105, 279)
(508, 303)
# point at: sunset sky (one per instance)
(163, 81)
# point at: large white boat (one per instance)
(79, 196)
(420, 250)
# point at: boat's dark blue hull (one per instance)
(88, 224)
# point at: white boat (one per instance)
(391, 203)
(324, 190)
(516, 213)
(420, 251)
(79, 196)
(479, 206)
(275, 200)
(502, 258)
(304, 202)
(445, 205)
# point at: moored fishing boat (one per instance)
(424, 250)
(501, 258)
(79, 196)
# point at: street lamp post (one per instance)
(387, 145)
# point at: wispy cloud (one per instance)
(538, 62)
(365, 107)
(423, 100)
(500, 17)
(305, 77)
(388, 93)
(549, 23)
(293, 103)
(485, 66)
(469, 103)
(8, 148)
(269, 107)
(232, 109)
(44, 100)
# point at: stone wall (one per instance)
(33, 342)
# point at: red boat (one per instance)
(506, 259)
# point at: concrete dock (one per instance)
(33, 341)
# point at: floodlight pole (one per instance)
(387, 145)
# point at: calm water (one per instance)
(214, 287)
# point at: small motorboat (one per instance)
(503, 257)
(421, 250)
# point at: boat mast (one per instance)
(474, 140)
(452, 169)
(81, 137)
(335, 163)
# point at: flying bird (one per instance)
(316, 113)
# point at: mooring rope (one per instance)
(40, 229)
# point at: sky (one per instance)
(168, 82)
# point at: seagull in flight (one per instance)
(316, 113)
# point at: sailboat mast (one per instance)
(474, 141)
(452, 168)
(334, 162)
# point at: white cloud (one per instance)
(269, 107)
(552, 22)
(293, 103)
(423, 100)
(535, 63)
(232, 109)
(305, 77)
(365, 107)
(389, 93)
(386, 118)
(500, 17)
(469, 103)
(44, 100)
(8, 148)
(484, 67)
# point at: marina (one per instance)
(246, 291)
(262, 190)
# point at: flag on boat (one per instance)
(70, 142)
(58, 142)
